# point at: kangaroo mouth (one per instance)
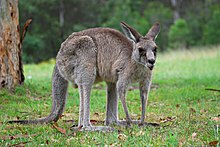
(150, 66)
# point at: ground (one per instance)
(187, 113)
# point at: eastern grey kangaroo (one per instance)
(102, 54)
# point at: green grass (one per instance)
(181, 76)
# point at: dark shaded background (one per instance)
(185, 23)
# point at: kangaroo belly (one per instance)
(110, 65)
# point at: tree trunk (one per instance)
(176, 14)
(61, 12)
(11, 68)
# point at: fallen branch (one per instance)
(61, 130)
(211, 89)
(25, 27)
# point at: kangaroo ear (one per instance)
(130, 33)
(153, 32)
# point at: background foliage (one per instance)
(54, 20)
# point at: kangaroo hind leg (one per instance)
(84, 75)
(84, 111)
(112, 104)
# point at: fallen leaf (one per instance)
(181, 142)
(177, 105)
(63, 131)
(192, 110)
(213, 143)
(82, 141)
(168, 119)
(53, 140)
(68, 140)
(74, 134)
(113, 144)
(200, 129)
(122, 137)
(96, 114)
(215, 118)
(140, 133)
(203, 111)
(92, 121)
(47, 142)
(21, 144)
(194, 135)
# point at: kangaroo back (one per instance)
(59, 93)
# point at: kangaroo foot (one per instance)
(93, 128)
(123, 123)
(136, 122)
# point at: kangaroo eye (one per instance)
(155, 49)
(141, 50)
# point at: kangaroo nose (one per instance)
(151, 61)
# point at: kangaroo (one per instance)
(102, 54)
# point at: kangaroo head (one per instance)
(144, 50)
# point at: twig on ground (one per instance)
(211, 89)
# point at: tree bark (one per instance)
(11, 68)
(61, 12)
(176, 14)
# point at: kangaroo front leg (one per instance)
(121, 90)
(144, 91)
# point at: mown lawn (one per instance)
(188, 114)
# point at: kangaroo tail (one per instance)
(59, 93)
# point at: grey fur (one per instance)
(104, 54)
